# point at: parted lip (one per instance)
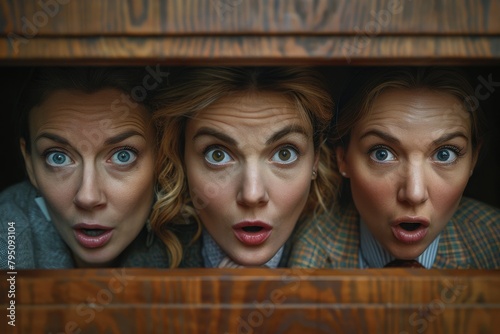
(411, 219)
(247, 223)
(250, 237)
(87, 226)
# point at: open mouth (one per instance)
(92, 232)
(410, 226)
(410, 231)
(252, 233)
(92, 235)
(252, 229)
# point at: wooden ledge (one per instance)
(257, 32)
(127, 300)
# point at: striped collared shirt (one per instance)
(213, 254)
(373, 255)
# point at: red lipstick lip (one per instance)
(252, 238)
(410, 237)
(89, 241)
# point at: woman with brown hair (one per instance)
(406, 143)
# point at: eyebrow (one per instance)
(286, 131)
(122, 136)
(444, 138)
(387, 137)
(52, 137)
(206, 131)
(110, 141)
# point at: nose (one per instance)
(253, 189)
(413, 189)
(89, 195)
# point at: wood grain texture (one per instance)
(265, 50)
(244, 32)
(208, 17)
(255, 301)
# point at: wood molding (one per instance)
(261, 32)
(255, 301)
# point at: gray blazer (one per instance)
(39, 246)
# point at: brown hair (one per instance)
(199, 88)
(367, 86)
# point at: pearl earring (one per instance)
(344, 174)
(314, 174)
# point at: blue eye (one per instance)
(217, 156)
(124, 157)
(382, 155)
(285, 155)
(57, 159)
(445, 155)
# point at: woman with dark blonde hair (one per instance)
(89, 152)
(242, 160)
(406, 143)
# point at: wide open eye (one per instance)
(285, 155)
(217, 156)
(382, 154)
(58, 159)
(446, 155)
(124, 157)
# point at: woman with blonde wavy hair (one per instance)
(242, 161)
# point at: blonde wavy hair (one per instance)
(198, 88)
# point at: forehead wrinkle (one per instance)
(254, 118)
(414, 102)
(239, 114)
(425, 119)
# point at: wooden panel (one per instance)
(257, 32)
(206, 17)
(255, 301)
(424, 50)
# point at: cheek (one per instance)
(370, 192)
(141, 192)
(58, 192)
(366, 186)
(446, 197)
(209, 191)
(291, 197)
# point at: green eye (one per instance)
(285, 155)
(217, 156)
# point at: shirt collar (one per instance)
(43, 207)
(373, 255)
(213, 254)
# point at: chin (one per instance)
(96, 261)
(408, 252)
(252, 261)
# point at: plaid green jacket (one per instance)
(470, 240)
